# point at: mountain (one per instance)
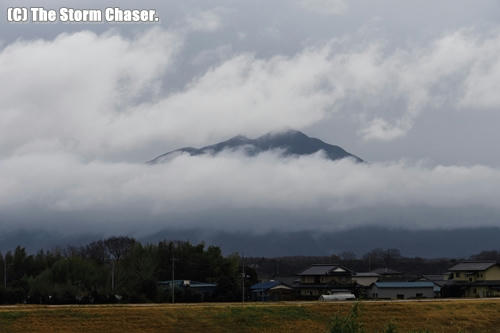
(291, 143)
(451, 243)
(438, 243)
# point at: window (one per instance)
(401, 296)
(457, 274)
(419, 295)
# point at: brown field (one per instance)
(436, 316)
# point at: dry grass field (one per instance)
(412, 316)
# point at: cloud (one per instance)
(102, 95)
(70, 103)
(64, 93)
(387, 89)
(103, 92)
(223, 192)
(331, 7)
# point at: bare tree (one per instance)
(117, 247)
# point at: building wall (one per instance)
(472, 292)
(492, 274)
(309, 292)
(325, 279)
(307, 279)
(280, 294)
(394, 293)
(365, 280)
(339, 279)
(468, 276)
(313, 292)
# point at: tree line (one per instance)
(119, 269)
(391, 258)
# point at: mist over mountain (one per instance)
(451, 243)
(290, 143)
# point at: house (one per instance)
(365, 279)
(474, 279)
(323, 279)
(401, 290)
(272, 291)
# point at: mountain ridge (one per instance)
(291, 142)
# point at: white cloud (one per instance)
(64, 93)
(202, 190)
(99, 95)
(88, 92)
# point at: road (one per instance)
(255, 304)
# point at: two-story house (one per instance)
(322, 279)
(474, 279)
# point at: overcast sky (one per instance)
(411, 87)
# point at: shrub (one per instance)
(349, 323)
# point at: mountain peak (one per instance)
(288, 132)
(290, 143)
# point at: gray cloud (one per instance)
(83, 106)
(110, 86)
(193, 191)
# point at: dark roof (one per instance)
(265, 285)
(320, 286)
(385, 271)
(416, 284)
(369, 274)
(437, 279)
(325, 270)
(472, 266)
(434, 277)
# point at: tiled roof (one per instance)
(265, 285)
(434, 277)
(324, 270)
(472, 266)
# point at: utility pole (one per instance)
(112, 275)
(5, 272)
(243, 280)
(173, 277)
